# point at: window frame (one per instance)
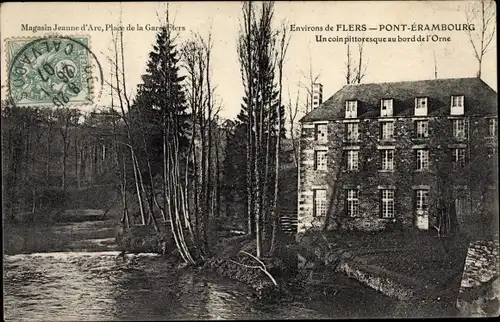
(317, 131)
(420, 159)
(455, 108)
(387, 203)
(459, 126)
(420, 110)
(350, 164)
(490, 151)
(324, 164)
(421, 200)
(385, 156)
(317, 203)
(383, 126)
(418, 133)
(389, 112)
(457, 103)
(348, 137)
(458, 161)
(351, 109)
(492, 127)
(352, 202)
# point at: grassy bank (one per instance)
(422, 268)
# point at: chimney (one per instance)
(317, 91)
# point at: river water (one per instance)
(86, 285)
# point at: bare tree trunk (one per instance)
(281, 59)
(217, 177)
(293, 115)
(361, 70)
(348, 74)
(151, 216)
(257, 187)
(209, 150)
(137, 187)
(250, 127)
(123, 186)
(484, 19)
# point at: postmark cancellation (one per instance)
(52, 71)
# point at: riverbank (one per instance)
(423, 272)
(66, 234)
(322, 285)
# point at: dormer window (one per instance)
(421, 106)
(386, 108)
(351, 109)
(457, 105)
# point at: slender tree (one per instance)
(481, 14)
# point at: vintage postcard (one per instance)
(249, 160)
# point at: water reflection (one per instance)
(105, 286)
(58, 286)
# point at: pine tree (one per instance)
(161, 95)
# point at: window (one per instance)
(421, 200)
(387, 130)
(319, 196)
(421, 106)
(321, 132)
(459, 159)
(457, 105)
(422, 129)
(352, 160)
(387, 159)
(490, 151)
(352, 202)
(352, 132)
(351, 109)
(320, 160)
(387, 203)
(422, 159)
(492, 127)
(459, 129)
(386, 107)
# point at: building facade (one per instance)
(417, 154)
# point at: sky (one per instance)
(385, 62)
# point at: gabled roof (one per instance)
(479, 98)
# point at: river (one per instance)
(102, 285)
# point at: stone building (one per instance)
(403, 155)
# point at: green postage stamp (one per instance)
(52, 71)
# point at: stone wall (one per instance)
(441, 179)
(479, 293)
